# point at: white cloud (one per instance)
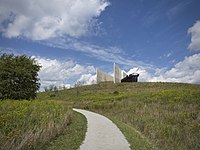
(144, 75)
(186, 71)
(44, 19)
(108, 54)
(87, 79)
(61, 73)
(195, 39)
(38, 21)
(168, 55)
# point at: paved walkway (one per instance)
(102, 134)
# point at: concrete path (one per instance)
(102, 133)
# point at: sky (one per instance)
(160, 40)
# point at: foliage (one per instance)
(31, 124)
(167, 114)
(18, 77)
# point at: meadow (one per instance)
(161, 115)
(34, 124)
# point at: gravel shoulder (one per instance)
(102, 133)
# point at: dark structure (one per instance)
(131, 78)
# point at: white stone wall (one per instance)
(117, 74)
(102, 76)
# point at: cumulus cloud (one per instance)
(144, 74)
(41, 20)
(61, 73)
(87, 79)
(195, 36)
(186, 71)
(49, 19)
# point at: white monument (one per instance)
(102, 76)
(118, 75)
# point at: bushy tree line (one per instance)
(18, 77)
(52, 88)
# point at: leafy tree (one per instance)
(18, 77)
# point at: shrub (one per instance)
(18, 77)
(116, 92)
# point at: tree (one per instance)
(18, 77)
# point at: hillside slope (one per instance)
(166, 115)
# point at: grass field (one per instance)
(34, 124)
(72, 137)
(166, 115)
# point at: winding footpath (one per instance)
(102, 133)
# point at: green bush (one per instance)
(18, 77)
(116, 92)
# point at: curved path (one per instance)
(102, 134)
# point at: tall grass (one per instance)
(168, 114)
(170, 119)
(30, 124)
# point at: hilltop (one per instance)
(151, 115)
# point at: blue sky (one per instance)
(160, 40)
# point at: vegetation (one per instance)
(135, 138)
(18, 77)
(31, 124)
(73, 136)
(166, 115)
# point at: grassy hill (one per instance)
(151, 115)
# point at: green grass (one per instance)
(72, 137)
(167, 115)
(136, 140)
(33, 124)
